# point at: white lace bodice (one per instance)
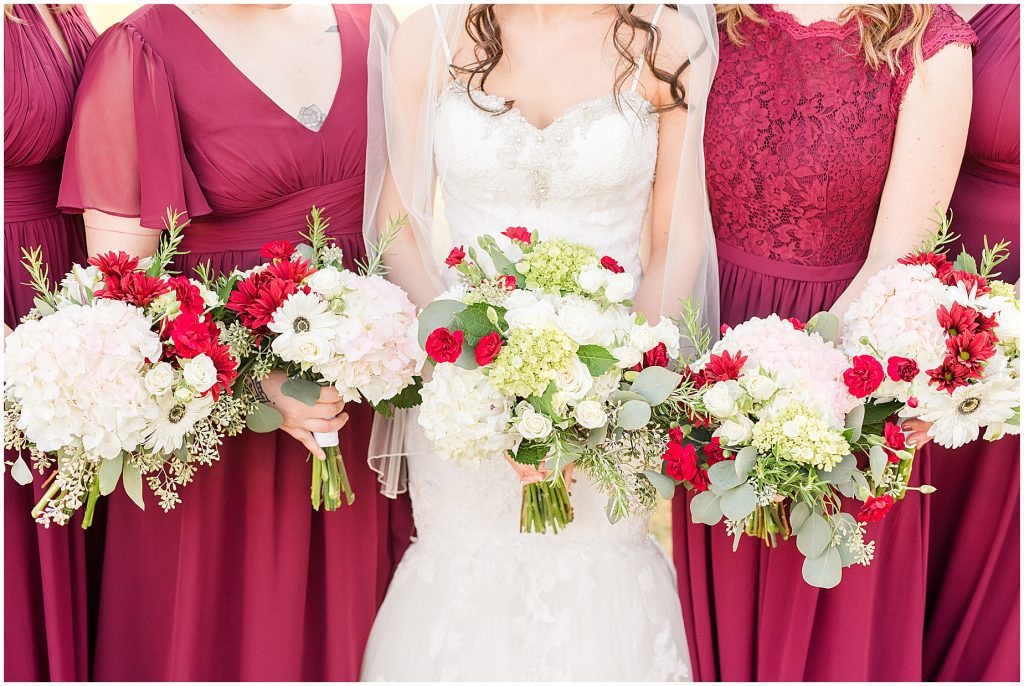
(585, 177)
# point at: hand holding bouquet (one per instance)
(119, 374)
(325, 325)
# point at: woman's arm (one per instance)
(927, 151)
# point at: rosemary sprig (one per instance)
(693, 329)
(39, 274)
(170, 241)
(942, 237)
(993, 257)
(374, 263)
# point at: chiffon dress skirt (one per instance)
(46, 630)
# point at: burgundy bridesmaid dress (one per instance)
(972, 626)
(242, 580)
(45, 622)
(798, 141)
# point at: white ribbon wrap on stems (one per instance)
(328, 440)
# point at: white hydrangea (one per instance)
(464, 416)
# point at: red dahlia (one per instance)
(951, 374)
(971, 349)
(295, 271)
(277, 250)
(971, 281)
(227, 369)
(937, 260)
(724, 367)
(114, 264)
(957, 319)
(256, 298)
(135, 288)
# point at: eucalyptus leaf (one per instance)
(840, 473)
(305, 251)
(665, 486)
(597, 359)
(264, 419)
(848, 488)
(634, 414)
(826, 325)
(656, 384)
(597, 436)
(744, 461)
(436, 315)
(878, 460)
(44, 307)
(110, 474)
(855, 421)
(723, 475)
(624, 396)
(737, 503)
(815, 536)
(303, 390)
(705, 508)
(798, 514)
(20, 472)
(859, 481)
(825, 570)
(131, 477)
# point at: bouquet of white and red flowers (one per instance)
(777, 429)
(531, 349)
(118, 374)
(939, 340)
(305, 313)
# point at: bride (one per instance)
(582, 122)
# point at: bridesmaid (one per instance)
(190, 109)
(832, 133)
(972, 630)
(45, 636)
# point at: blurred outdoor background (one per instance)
(103, 15)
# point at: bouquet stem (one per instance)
(90, 503)
(47, 496)
(545, 504)
(330, 479)
(906, 467)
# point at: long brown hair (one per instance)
(483, 28)
(885, 29)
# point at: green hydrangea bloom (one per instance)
(529, 361)
(554, 265)
(798, 435)
(1002, 289)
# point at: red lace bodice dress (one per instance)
(973, 620)
(798, 141)
(45, 624)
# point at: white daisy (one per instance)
(302, 316)
(175, 421)
(957, 417)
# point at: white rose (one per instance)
(627, 356)
(666, 331)
(721, 398)
(183, 394)
(580, 323)
(591, 415)
(533, 425)
(200, 373)
(535, 316)
(619, 287)
(574, 383)
(735, 431)
(327, 282)
(160, 378)
(309, 348)
(760, 387)
(642, 337)
(592, 277)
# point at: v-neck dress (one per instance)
(242, 580)
(45, 589)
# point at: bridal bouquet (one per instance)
(531, 349)
(777, 428)
(118, 374)
(325, 325)
(939, 340)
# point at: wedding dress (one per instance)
(474, 599)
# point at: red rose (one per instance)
(895, 439)
(518, 233)
(797, 324)
(611, 265)
(724, 367)
(680, 461)
(655, 357)
(875, 509)
(295, 271)
(975, 282)
(114, 264)
(277, 250)
(957, 319)
(950, 375)
(864, 377)
(487, 349)
(902, 369)
(444, 345)
(227, 369)
(507, 282)
(191, 336)
(715, 453)
(937, 260)
(190, 298)
(971, 349)
(455, 257)
(257, 297)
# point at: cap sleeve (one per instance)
(944, 28)
(124, 154)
